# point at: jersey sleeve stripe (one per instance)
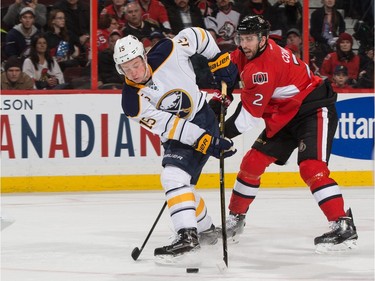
(166, 126)
(207, 44)
(202, 33)
(196, 39)
(182, 129)
(173, 130)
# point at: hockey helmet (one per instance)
(126, 49)
(254, 25)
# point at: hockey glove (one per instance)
(223, 69)
(208, 144)
(216, 100)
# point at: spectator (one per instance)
(107, 70)
(77, 19)
(116, 10)
(182, 15)
(60, 44)
(366, 74)
(141, 29)
(340, 79)
(41, 67)
(295, 50)
(18, 39)
(272, 14)
(13, 78)
(206, 6)
(223, 24)
(155, 37)
(154, 11)
(107, 24)
(293, 37)
(292, 11)
(326, 24)
(344, 55)
(11, 18)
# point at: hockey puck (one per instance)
(192, 270)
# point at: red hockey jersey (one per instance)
(274, 86)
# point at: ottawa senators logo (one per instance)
(177, 102)
(260, 78)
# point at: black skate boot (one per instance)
(235, 224)
(343, 235)
(209, 236)
(186, 241)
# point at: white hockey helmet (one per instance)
(126, 49)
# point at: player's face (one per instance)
(250, 44)
(135, 70)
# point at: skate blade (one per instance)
(330, 248)
(190, 259)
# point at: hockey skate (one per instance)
(235, 224)
(185, 242)
(209, 236)
(342, 237)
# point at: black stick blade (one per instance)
(135, 253)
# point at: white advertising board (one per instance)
(87, 134)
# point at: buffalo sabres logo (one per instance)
(227, 31)
(177, 102)
(260, 78)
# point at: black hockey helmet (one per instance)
(254, 25)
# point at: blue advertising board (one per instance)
(355, 132)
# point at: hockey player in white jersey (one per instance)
(161, 94)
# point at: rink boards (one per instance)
(75, 142)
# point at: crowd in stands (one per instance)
(49, 42)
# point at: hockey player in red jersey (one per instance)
(298, 109)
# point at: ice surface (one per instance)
(90, 236)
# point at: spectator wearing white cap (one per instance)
(12, 15)
(18, 39)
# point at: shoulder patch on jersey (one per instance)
(159, 53)
(130, 101)
(260, 78)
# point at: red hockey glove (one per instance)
(216, 100)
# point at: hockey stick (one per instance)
(136, 251)
(222, 185)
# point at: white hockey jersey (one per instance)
(167, 103)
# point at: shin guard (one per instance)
(325, 190)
